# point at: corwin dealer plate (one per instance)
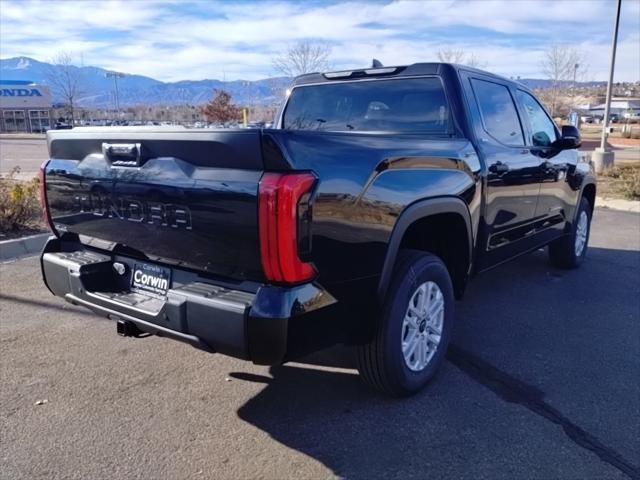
(151, 278)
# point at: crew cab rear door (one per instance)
(513, 182)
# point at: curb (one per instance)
(618, 204)
(624, 146)
(20, 247)
(23, 136)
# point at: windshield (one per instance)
(398, 105)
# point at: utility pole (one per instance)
(573, 93)
(603, 158)
(116, 76)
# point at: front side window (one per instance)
(397, 105)
(498, 111)
(543, 131)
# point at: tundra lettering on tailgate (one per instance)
(161, 214)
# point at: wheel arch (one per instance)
(589, 192)
(422, 214)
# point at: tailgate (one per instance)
(180, 197)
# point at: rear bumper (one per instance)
(248, 321)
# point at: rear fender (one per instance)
(411, 214)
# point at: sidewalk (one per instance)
(618, 204)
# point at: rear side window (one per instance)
(543, 131)
(398, 105)
(498, 111)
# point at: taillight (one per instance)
(46, 217)
(280, 195)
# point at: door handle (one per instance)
(122, 154)
(499, 167)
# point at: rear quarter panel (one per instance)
(365, 183)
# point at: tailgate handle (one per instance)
(123, 154)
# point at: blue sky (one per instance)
(177, 40)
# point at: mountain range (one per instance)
(98, 89)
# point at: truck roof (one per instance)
(431, 68)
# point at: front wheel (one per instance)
(570, 250)
(414, 329)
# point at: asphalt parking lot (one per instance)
(27, 153)
(542, 382)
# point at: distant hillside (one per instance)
(137, 89)
(544, 83)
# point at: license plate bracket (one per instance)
(147, 277)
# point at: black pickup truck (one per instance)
(357, 219)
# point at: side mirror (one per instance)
(569, 139)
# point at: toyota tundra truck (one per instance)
(357, 219)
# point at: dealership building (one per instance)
(619, 106)
(25, 107)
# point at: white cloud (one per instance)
(172, 40)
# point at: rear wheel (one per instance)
(414, 329)
(570, 250)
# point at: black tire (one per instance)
(381, 362)
(562, 252)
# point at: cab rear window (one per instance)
(396, 105)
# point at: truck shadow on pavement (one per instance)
(520, 395)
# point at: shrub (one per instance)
(19, 203)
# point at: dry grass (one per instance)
(621, 181)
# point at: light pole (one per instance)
(573, 91)
(603, 158)
(116, 76)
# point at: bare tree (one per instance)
(458, 55)
(303, 57)
(475, 62)
(451, 55)
(65, 80)
(560, 65)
